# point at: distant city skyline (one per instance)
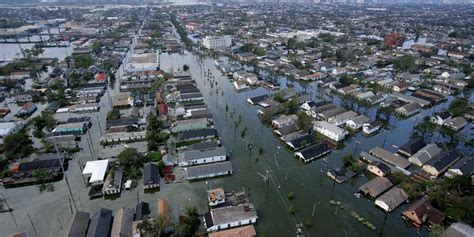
(244, 1)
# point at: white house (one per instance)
(357, 122)
(330, 130)
(369, 128)
(97, 170)
(440, 118)
(284, 120)
(342, 118)
(229, 217)
(197, 157)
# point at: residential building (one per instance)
(330, 130)
(198, 157)
(325, 115)
(408, 109)
(342, 118)
(378, 168)
(244, 231)
(411, 147)
(357, 122)
(151, 176)
(369, 128)
(200, 134)
(228, 217)
(257, 99)
(391, 199)
(376, 186)
(313, 152)
(422, 212)
(76, 225)
(389, 157)
(284, 120)
(425, 154)
(301, 142)
(123, 221)
(100, 224)
(465, 167)
(113, 182)
(440, 118)
(439, 164)
(27, 109)
(96, 169)
(209, 170)
(456, 123)
(216, 197)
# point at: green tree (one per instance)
(188, 223)
(83, 61)
(131, 161)
(405, 63)
(305, 122)
(267, 117)
(279, 96)
(152, 227)
(17, 145)
(458, 107)
(97, 47)
(113, 114)
(291, 105)
(153, 156)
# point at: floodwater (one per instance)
(9, 51)
(309, 183)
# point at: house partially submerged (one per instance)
(209, 170)
(151, 176)
(122, 224)
(244, 231)
(421, 212)
(101, 223)
(378, 168)
(313, 152)
(228, 217)
(411, 147)
(425, 154)
(76, 225)
(205, 156)
(376, 186)
(389, 157)
(216, 197)
(391, 199)
(438, 165)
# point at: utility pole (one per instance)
(31, 222)
(9, 209)
(64, 173)
(333, 186)
(80, 168)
